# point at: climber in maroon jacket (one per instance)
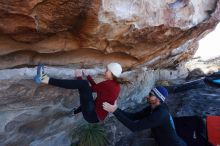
(107, 91)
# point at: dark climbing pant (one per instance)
(87, 103)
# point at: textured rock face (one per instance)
(93, 32)
(88, 34)
(37, 115)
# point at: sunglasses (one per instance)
(151, 94)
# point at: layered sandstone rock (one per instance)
(65, 34)
(97, 32)
(38, 115)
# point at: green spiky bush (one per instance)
(92, 135)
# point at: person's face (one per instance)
(151, 98)
(108, 75)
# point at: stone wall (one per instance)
(149, 38)
(37, 115)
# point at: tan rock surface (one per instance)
(96, 32)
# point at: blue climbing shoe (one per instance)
(40, 72)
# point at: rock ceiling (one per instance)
(150, 33)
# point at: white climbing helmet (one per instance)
(115, 68)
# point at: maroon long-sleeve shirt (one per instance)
(107, 91)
